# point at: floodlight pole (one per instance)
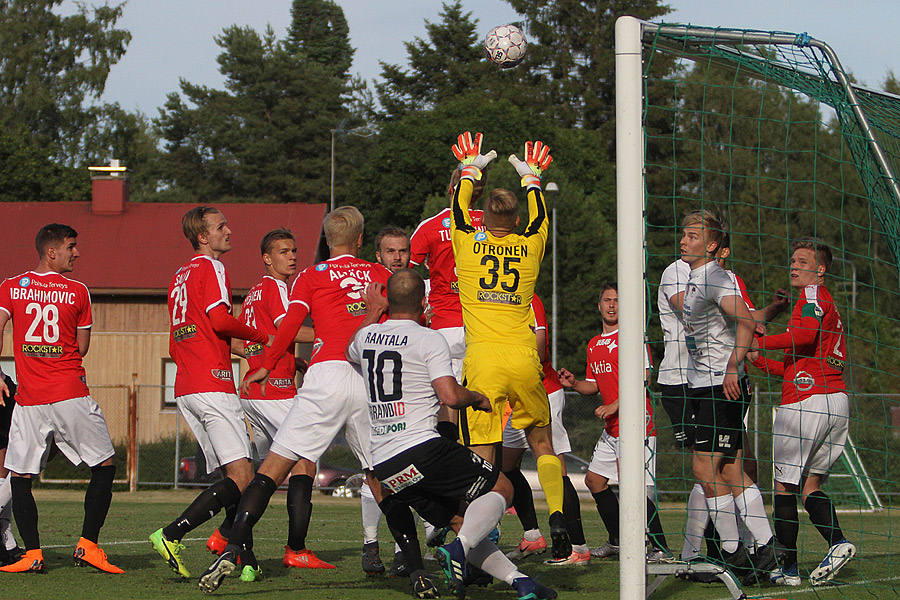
(553, 190)
(342, 132)
(332, 171)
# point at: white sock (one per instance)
(430, 529)
(697, 518)
(481, 517)
(6, 534)
(371, 515)
(752, 509)
(532, 535)
(488, 557)
(721, 511)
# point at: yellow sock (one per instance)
(549, 470)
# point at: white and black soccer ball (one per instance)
(505, 46)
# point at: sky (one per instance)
(174, 39)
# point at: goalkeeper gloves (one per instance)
(468, 152)
(537, 159)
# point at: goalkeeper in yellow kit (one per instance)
(497, 271)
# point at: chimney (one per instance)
(110, 188)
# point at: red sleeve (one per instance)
(798, 335)
(5, 300)
(226, 325)
(85, 320)
(540, 314)
(743, 289)
(287, 331)
(769, 366)
(273, 301)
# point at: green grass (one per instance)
(336, 536)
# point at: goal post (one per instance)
(767, 130)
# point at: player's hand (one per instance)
(271, 339)
(261, 376)
(428, 315)
(781, 299)
(605, 411)
(730, 385)
(4, 393)
(537, 159)
(566, 379)
(480, 402)
(301, 365)
(376, 302)
(467, 151)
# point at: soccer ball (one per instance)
(505, 46)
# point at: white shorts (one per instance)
(515, 438)
(333, 396)
(456, 339)
(809, 436)
(265, 417)
(218, 424)
(605, 460)
(76, 425)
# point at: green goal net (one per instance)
(764, 129)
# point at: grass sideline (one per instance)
(335, 535)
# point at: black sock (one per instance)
(96, 501)
(823, 516)
(25, 512)
(608, 507)
(253, 504)
(228, 521)
(402, 524)
(572, 512)
(787, 524)
(654, 527)
(523, 499)
(210, 501)
(713, 543)
(299, 509)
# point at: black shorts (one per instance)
(436, 477)
(720, 422)
(682, 411)
(6, 413)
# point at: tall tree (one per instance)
(267, 135)
(51, 68)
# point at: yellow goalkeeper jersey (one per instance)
(497, 274)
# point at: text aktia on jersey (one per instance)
(804, 381)
(281, 383)
(601, 367)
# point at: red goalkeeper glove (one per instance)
(537, 159)
(468, 152)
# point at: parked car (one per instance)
(330, 479)
(576, 467)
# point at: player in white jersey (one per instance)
(718, 332)
(408, 373)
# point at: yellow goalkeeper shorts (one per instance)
(503, 373)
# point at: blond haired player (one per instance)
(497, 270)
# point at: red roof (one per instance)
(140, 249)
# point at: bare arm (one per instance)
(237, 347)
(585, 388)
(84, 340)
(305, 335)
(541, 335)
(677, 301)
(4, 391)
(451, 394)
(735, 308)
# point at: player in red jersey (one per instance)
(333, 395)
(431, 243)
(51, 317)
(811, 425)
(264, 308)
(603, 378)
(201, 329)
(514, 446)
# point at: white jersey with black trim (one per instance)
(710, 335)
(674, 365)
(399, 359)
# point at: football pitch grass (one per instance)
(336, 536)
